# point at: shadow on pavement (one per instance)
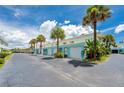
(77, 63)
(47, 58)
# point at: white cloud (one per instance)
(18, 13)
(19, 36)
(119, 28)
(70, 30)
(108, 29)
(46, 27)
(16, 36)
(73, 30)
(66, 22)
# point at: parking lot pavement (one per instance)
(43, 71)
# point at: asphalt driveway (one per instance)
(25, 70)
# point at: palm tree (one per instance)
(100, 48)
(89, 48)
(41, 39)
(57, 34)
(93, 15)
(109, 41)
(32, 43)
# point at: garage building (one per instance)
(71, 48)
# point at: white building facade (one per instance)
(71, 48)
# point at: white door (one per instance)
(55, 50)
(49, 52)
(75, 52)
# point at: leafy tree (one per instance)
(100, 49)
(57, 34)
(89, 49)
(93, 15)
(32, 43)
(41, 39)
(109, 41)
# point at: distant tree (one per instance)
(33, 43)
(41, 39)
(109, 41)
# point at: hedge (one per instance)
(2, 61)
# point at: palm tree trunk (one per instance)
(95, 35)
(57, 45)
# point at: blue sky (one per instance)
(25, 22)
(35, 15)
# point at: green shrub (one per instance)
(59, 55)
(1, 60)
(3, 54)
(7, 51)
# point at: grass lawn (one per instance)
(6, 59)
(1, 65)
(102, 59)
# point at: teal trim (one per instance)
(52, 51)
(121, 50)
(34, 50)
(45, 51)
(82, 54)
(65, 49)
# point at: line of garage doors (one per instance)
(72, 52)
